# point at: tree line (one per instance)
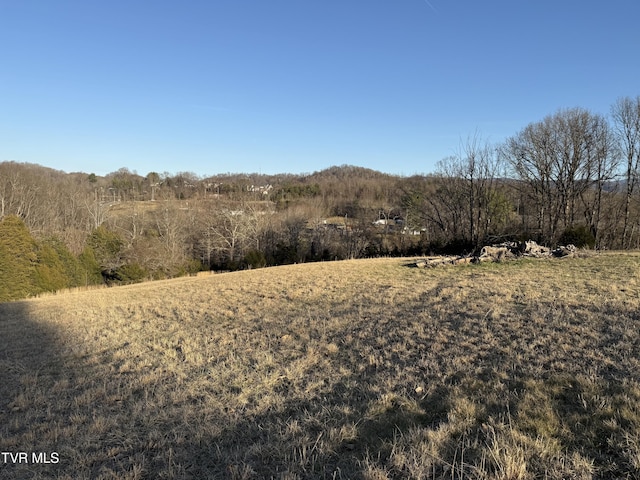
(571, 177)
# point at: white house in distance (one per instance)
(263, 189)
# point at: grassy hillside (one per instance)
(359, 369)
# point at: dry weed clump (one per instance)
(356, 369)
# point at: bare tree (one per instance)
(626, 120)
(479, 166)
(170, 228)
(446, 204)
(559, 160)
(229, 232)
(18, 191)
(97, 209)
(466, 189)
(602, 162)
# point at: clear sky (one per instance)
(216, 86)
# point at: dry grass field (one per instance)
(362, 369)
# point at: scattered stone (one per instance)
(429, 262)
(565, 251)
(531, 249)
(498, 253)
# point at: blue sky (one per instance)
(297, 85)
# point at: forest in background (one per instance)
(569, 178)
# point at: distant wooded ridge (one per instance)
(569, 178)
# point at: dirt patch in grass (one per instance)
(357, 369)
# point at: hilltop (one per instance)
(568, 179)
(355, 369)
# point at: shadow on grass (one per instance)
(332, 436)
(366, 421)
(29, 368)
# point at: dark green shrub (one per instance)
(107, 247)
(131, 273)
(580, 236)
(255, 259)
(187, 267)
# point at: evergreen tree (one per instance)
(57, 267)
(90, 271)
(70, 263)
(49, 274)
(17, 259)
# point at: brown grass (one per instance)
(359, 369)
